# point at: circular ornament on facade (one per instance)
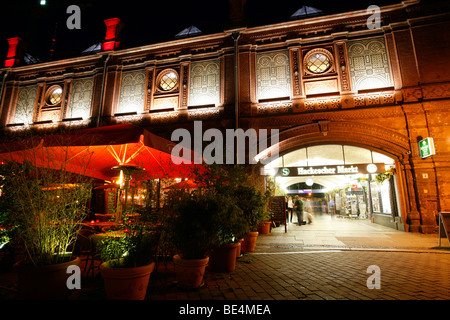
(53, 96)
(318, 61)
(167, 80)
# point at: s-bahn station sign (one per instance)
(330, 170)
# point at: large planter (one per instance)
(249, 243)
(238, 248)
(189, 272)
(126, 283)
(223, 258)
(47, 282)
(264, 227)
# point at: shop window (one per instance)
(273, 75)
(381, 196)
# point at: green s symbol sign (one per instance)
(285, 171)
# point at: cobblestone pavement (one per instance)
(328, 275)
(326, 260)
(329, 260)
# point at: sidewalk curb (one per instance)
(340, 249)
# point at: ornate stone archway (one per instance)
(374, 137)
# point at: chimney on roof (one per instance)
(13, 55)
(237, 17)
(112, 37)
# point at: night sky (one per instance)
(145, 22)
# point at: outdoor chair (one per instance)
(87, 250)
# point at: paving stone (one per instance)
(411, 269)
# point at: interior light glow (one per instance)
(120, 181)
(43, 2)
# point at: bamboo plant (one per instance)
(47, 206)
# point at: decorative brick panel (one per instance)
(26, 100)
(80, 99)
(273, 75)
(369, 65)
(204, 86)
(132, 92)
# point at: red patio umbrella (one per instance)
(94, 152)
(186, 184)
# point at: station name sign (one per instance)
(330, 170)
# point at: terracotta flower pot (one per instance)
(223, 258)
(44, 282)
(189, 272)
(238, 248)
(264, 228)
(249, 243)
(126, 283)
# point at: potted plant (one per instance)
(47, 207)
(230, 225)
(240, 184)
(192, 232)
(264, 225)
(129, 259)
(252, 202)
(7, 231)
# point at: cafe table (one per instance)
(99, 225)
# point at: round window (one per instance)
(54, 95)
(168, 80)
(318, 61)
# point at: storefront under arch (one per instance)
(388, 146)
(341, 180)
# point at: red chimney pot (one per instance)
(12, 55)
(112, 37)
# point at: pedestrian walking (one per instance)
(290, 207)
(308, 210)
(298, 209)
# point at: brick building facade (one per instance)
(321, 80)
